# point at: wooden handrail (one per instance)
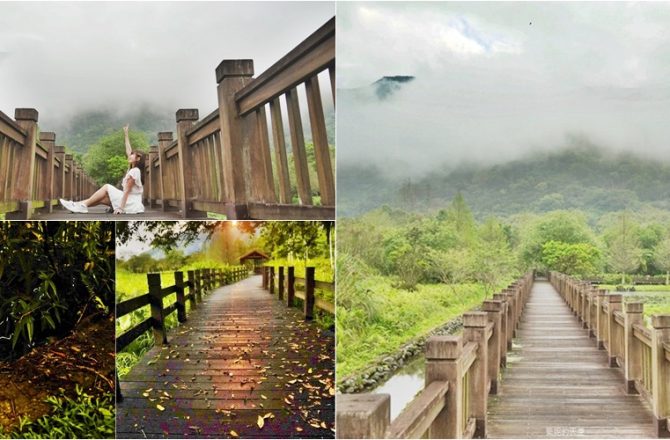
(34, 172)
(285, 281)
(223, 162)
(418, 416)
(638, 350)
(199, 282)
(461, 371)
(315, 54)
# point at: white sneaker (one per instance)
(79, 207)
(66, 204)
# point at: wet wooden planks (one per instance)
(557, 384)
(241, 355)
(98, 213)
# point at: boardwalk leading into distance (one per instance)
(242, 365)
(558, 384)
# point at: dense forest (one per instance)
(56, 329)
(581, 176)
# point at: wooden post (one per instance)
(503, 327)
(68, 185)
(272, 280)
(164, 139)
(48, 141)
(474, 330)
(614, 306)
(186, 117)
(494, 311)
(24, 164)
(632, 352)
(280, 290)
(231, 76)
(511, 306)
(309, 293)
(192, 281)
(264, 277)
(156, 302)
(660, 373)
(152, 193)
(199, 284)
(59, 176)
(181, 301)
(320, 140)
(443, 355)
(600, 321)
(290, 291)
(363, 415)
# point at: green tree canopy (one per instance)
(106, 160)
(577, 259)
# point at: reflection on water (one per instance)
(404, 384)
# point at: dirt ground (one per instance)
(85, 357)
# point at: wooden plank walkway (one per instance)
(241, 355)
(98, 213)
(557, 384)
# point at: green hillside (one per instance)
(585, 178)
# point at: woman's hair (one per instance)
(139, 163)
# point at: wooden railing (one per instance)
(461, 372)
(34, 172)
(198, 282)
(282, 281)
(642, 353)
(223, 163)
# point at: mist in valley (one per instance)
(495, 82)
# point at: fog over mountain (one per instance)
(494, 82)
(73, 58)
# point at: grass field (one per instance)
(656, 298)
(378, 318)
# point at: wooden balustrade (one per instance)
(34, 171)
(283, 282)
(642, 353)
(223, 162)
(198, 282)
(461, 372)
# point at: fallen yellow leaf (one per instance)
(234, 434)
(160, 407)
(260, 422)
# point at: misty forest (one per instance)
(56, 330)
(486, 154)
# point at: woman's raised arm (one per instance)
(129, 148)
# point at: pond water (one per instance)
(404, 384)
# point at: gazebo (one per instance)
(254, 259)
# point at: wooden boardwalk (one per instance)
(557, 383)
(98, 213)
(242, 359)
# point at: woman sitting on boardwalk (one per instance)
(128, 201)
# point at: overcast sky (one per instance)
(62, 57)
(141, 242)
(495, 80)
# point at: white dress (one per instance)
(134, 203)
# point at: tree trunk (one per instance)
(667, 278)
(623, 279)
